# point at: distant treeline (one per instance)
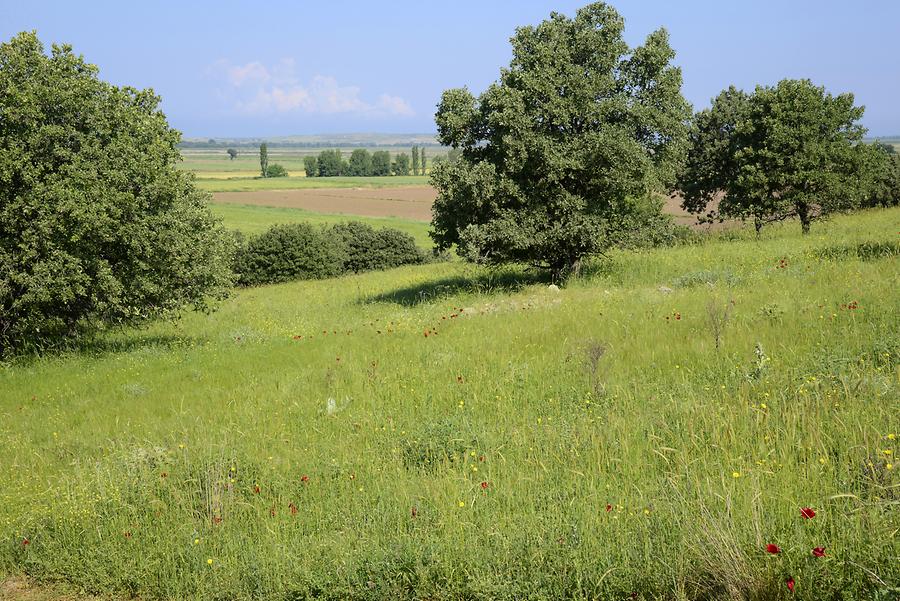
(216, 144)
(362, 163)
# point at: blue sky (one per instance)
(283, 68)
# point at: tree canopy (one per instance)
(97, 226)
(578, 130)
(791, 150)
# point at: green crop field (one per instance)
(255, 184)
(447, 432)
(255, 219)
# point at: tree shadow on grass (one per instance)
(491, 282)
(100, 346)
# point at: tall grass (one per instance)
(443, 432)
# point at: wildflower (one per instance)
(889, 466)
(293, 509)
(807, 513)
(415, 511)
(304, 478)
(818, 552)
(127, 534)
(25, 542)
(256, 489)
(735, 474)
(891, 436)
(608, 508)
(790, 583)
(462, 503)
(773, 549)
(217, 520)
(887, 452)
(209, 562)
(196, 541)
(484, 485)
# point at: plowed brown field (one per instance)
(407, 203)
(411, 202)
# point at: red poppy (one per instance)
(25, 542)
(293, 509)
(484, 485)
(773, 549)
(819, 552)
(127, 534)
(297, 337)
(807, 513)
(790, 584)
(481, 459)
(415, 511)
(256, 489)
(272, 511)
(164, 475)
(608, 508)
(217, 520)
(304, 478)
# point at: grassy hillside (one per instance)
(255, 219)
(443, 432)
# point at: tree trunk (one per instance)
(803, 213)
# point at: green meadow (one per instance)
(449, 432)
(255, 184)
(252, 219)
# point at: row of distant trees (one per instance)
(331, 163)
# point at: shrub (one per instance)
(276, 170)
(296, 251)
(367, 248)
(644, 225)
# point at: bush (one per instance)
(644, 225)
(98, 227)
(367, 248)
(276, 170)
(303, 252)
(296, 251)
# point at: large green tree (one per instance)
(331, 163)
(579, 131)
(381, 163)
(264, 159)
(401, 164)
(415, 160)
(360, 163)
(787, 151)
(97, 225)
(881, 167)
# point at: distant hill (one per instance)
(354, 140)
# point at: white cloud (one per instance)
(251, 72)
(256, 89)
